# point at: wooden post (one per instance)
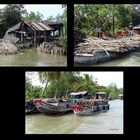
(21, 32)
(34, 38)
(53, 33)
(62, 31)
(59, 32)
(45, 36)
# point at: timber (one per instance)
(7, 47)
(52, 47)
(96, 50)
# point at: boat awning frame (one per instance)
(79, 93)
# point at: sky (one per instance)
(106, 78)
(103, 78)
(45, 9)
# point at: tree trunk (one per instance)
(44, 88)
(113, 25)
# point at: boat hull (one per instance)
(53, 108)
(89, 111)
(48, 110)
(98, 57)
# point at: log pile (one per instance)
(6, 47)
(94, 44)
(86, 103)
(52, 48)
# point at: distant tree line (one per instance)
(109, 17)
(60, 84)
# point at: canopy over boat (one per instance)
(79, 93)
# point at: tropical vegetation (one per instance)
(107, 17)
(60, 84)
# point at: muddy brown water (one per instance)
(110, 122)
(31, 57)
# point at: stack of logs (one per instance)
(94, 44)
(6, 47)
(52, 48)
(95, 102)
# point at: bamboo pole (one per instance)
(92, 41)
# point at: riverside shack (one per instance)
(34, 32)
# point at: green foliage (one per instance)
(50, 18)
(31, 92)
(63, 41)
(60, 84)
(9, 16)
(106, 16)
(33, 16)
(114, 91)
(47, 77)
(64, 19)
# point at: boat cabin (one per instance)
(120, 96)
(75, 96)
(102, 95)
(137, 29)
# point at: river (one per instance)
(30, 57)
(110, 122)
(132, 59)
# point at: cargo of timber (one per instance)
(97, 50)
(93, 106)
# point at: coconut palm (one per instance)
(46, 77)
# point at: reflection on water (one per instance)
(110, 122)
(133, 59)
(33, 58)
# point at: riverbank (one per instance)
(96, 50)
(30, 108)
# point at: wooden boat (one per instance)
(53, 108)
(92, 106)
(97, 57)
(120, 96)
(80, 111)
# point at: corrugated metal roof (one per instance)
(38, 25)
(15, 27)
(45, 26)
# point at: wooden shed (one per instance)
(34, 32)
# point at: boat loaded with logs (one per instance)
(59, 106)
(93, 106)
(94, 50)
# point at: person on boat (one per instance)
(98, 31)
(130, 29)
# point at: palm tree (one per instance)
(69, 79)
(46, 77)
